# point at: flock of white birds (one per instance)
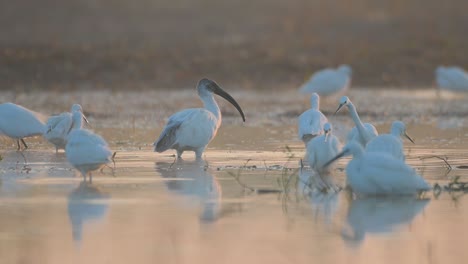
(377, 167)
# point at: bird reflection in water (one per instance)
(86, 204)
(323, 201)
(378, 215)
(193, 179)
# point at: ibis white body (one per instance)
(18, 122)
(452, 78)
(380, 174)
(85, 150)
(58, 127)
(392, 143)
(192, 129)
(310, 123)
(328, 81)
(362, 132)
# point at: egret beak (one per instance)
(85, 119)
(340, 155)
(409, 138)
(327, 133)
(339, 107)
(217, 90)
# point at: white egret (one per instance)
(85, 150)
(390, 143)
(362, 132)
(379, 173)
(322, 149)
(58, 127)
(17, 122)
(328, 81)
(311, 121)
(452, 78)
(192, 129)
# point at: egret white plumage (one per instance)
(328, 81)
(59, 126)
(85, 150)
(362, 132)
(192, 129)
(452, 78)
(379, 173)
(322, 149)
(391, 143)
(18, 122)
(311, 121)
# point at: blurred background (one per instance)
(253, 44)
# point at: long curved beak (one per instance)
(217, 90)
(409, 138)
(339, 107)
(340, 155)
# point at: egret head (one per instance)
(207, 87)
(76, 107)
(343, 101)
(346, 69)
(399, 129)
(315, 101)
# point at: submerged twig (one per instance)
(445, 159)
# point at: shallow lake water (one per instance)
(245, 202)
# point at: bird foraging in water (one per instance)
(391, 143)
(85, 150)
(310, 123)
(18, 122)
(378, 173)
(58, 127)
(192, 129)
(328, 81)
(362, 132)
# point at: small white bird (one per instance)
(361, 133)
(322, 149)
(192, 129)
(452, 78)
(59, 126)
(391, 143)
(85, 150)
(17, 122)
(311, 121)
(379, 173)
(328, 81)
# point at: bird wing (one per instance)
(387, 144)
(59, 125)
(390, 175)
(85, 147)
(168, 138)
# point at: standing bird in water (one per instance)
(59, 126)
(192, 129)
(328, 81)
(85, 150)
(378, 173)
(361, 133)
(311, 121)
(18, 123)
(391, 143)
